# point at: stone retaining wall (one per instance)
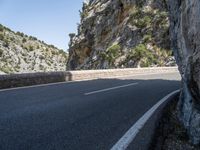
(113, 73)
(18, 80)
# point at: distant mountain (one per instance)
(20, 53)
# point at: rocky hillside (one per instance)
(20, 53)
(185, 33)
(121, 33)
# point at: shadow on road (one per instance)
(60, 116)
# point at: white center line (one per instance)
(112, 88)
(129, 136)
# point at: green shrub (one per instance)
(160, 19)
(145, 63)
(25, 59)
(137, 13)
(32, 38)
(30, 48)
(17, 67)
(53, 52)
(114, 50)
(12, 39)
(1, 52)
(140, 3)
(52, 46)
(83, 14)
(6, 70)
(140, 52)
(48, 63)
(6, 43)
(23, 54)
(163, 14)
(111, 53)
(143, 22)
(147, 38)
(41, 57)
(147, 19)
(1, 28)
(41, 67)
(63, 53)
(1, 37)
(146, 57)
(5, 28)
(24, 40)
(20, 34)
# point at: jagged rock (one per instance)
(118, 33)
(20, 53)
(185, 33)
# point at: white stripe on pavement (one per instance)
(109, 89)
(129, 136)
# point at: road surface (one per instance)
(87, 115)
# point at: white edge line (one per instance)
(112, 88)
(32, 86)
(129, 136)
(49, 84)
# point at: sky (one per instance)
(48, 20)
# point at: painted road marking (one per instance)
(129, 136)
(109, 89)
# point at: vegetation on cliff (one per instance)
(20, 53)
(132, 25)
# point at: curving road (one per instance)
(87, 115)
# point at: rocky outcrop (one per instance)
(132, 33)
(20, 53)
(121, 33)
(185, 33)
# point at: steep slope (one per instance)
(20, 53)
(121, 33)
(185, 33)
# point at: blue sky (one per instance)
(48, 20)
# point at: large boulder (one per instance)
(185, 34)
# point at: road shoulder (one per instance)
(144, 138)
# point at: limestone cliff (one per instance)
(185, 33)
(121, 33)
(132, 33)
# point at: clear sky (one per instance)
(48, 20)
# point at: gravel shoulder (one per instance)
(170, 134)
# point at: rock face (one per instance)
(185, 33)
(121, 33)
(20, 53)
(132, 33)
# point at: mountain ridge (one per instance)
(20, 53)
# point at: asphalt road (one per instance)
(87, 115)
